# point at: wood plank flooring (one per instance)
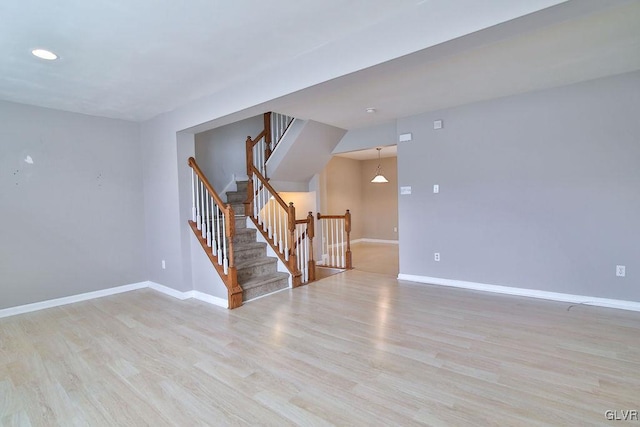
(379, 258)
(352, 349)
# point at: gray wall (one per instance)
(379, 201)
(72, 222)
(221, 152)
(538, 191)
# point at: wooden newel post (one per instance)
(248, 203)
(249, 148)
(234, 290)
(311, 234)
(293, 261)
(267, 136)
(347, 229)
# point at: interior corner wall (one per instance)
(343, 188)
(380, 201)
(71, 203)
(537, 191)
(221, 152)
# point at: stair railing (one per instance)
(291, 239)
(276, 125)
(335, 231)
(262, 146)
(275, 220)
(213, 223)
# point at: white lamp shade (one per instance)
(379, 179)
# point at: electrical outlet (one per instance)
(436, 188)
(395, 229)
(621, 270)
(436, 256)
(164, 265)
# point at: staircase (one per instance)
(234, 250)
(257, 273)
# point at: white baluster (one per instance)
(280, 227)
(198, 219)
(208, 219)
(330, 247)
(193, 197)
(214, 248)
(224, 244)
(268, 212)
(255, 201)
(343, 248)
(261, 154)
(255, 158)
(335, 242)
(220, 236)
(305, 264)
(265, 200)
(325, 249)
(286, 238)
(327, 224)
(307, 245)
(202, 198)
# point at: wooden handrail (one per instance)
(205, 181)
(268, 186)
(255, 140)
(320, 216)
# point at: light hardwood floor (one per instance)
(353, 349)
(379, 258)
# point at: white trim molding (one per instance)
(42, 305)
(530, 293)
(365, 240)
(169, 291)
(201, 296)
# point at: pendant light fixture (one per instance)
(379, 178)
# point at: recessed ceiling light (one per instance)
(44, 54)
(370, 110)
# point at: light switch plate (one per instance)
(405, 190)
(405, 137)
(437, 124)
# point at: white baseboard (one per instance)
(365, 240)
(169, 291)
(201, 296)
(530, 293)
(42, 305)
(28, 308)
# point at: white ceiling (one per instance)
(556, 47)
(134, 59)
